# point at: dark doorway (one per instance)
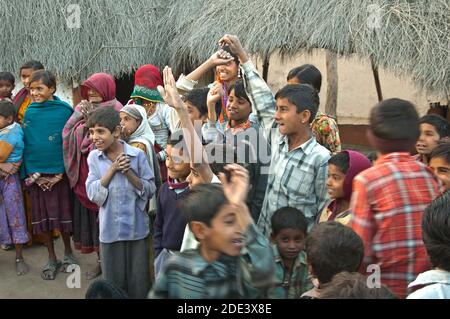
(125, 85)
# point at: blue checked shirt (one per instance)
(296, 178)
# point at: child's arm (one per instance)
(320, 189)
(96, 192)
(158, 226)
(143, 181)
(211, 130)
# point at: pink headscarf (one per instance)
(103, 83)
(357, 163)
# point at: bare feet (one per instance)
(94, 273)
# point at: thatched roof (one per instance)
(413, 38)
(119, 36)
(115, 36)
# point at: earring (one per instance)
(239, 73)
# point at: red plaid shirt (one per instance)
(387, 205)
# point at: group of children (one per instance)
(295, 217)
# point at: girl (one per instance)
(13, 229)
(159, 116)
(49, 188)
(98, 91)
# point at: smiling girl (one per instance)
(43, 158)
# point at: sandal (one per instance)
(21, 267)
(50, 270)
(67, 262)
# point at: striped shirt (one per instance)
(387, 204)
(188, 276)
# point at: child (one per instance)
(342, 168)
(435, 284)
(49, 188)
(7, 84)
(289, 228)
(195, 101)
(395, 191)
(324, 127)
(298, 169)
(331, 248)
(13, 228)
(98, 91)
(120, 182)
(220, 220)
(433, 128)
(23, 99)
(346, 285)
(170, 223)
(440, 163)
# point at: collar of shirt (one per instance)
(127, 149)
(220, 266)
(395, 157)
(435, 276)
(306, 147)
(299, 261)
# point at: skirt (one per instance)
(52, 210)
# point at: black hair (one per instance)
(176, 138)
(106, 117)
(7, 76)
(289, 217)
(340, 160)
(438, 122)
(395, 119)
(7, 109)
(332, 248)
(436, 231)
(104, 289)
(303, 96)
(203, 203)
(226, 48)
(198, 97)
(307, 74)
(33, 64)
(442, 151)
(372, 156)
(346, 285)
(239, 90)
(46, 77)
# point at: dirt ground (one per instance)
(31, 285)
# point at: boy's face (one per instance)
(289, 242)
(228, 72)
(238, 108)
(195, 178)
(129, 124)
(178, 165)
(5, 121)
(6, 89)
(194, 113)
(40, 92)
(428, 139)
(25, 75)
(224, 236)
(441, 169)
(289, 121)
(335, 182)
(102, 137)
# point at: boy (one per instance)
(289, 228)
(7, 84)
(221, 222)
(120, 182)
(435, 284)
(433, 128)
(440, 163)
(170, 222)
(298, 169)
(342, 168)
(331, 248)
(394, 192)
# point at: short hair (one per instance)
(332, 248)
(7, 109)
(442, 151)
(46, 77)
(203, 203)
(239, 90)
(341, 160)
(438, 122)
(308, 74)
(346, 285)
(33, 64)
(198, 97)
(303, 96)
(395, 119)
(7, 76)
(106, 117)
(289, 217)
(104, 289)
(436, 231)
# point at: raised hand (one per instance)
(170, 92)
(237, 187)
(235, 46)
(215, 94)
(86, 108)
(220, 57)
